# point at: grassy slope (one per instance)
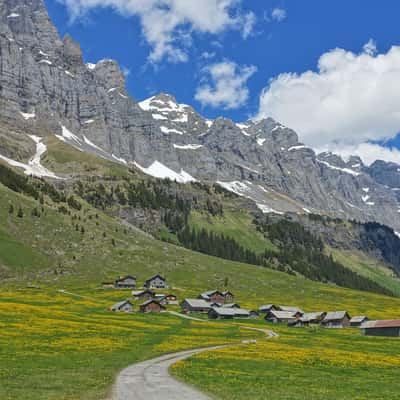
(82, 346)
(236, 224)
(369, 268)
(319, 364)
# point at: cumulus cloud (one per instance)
(368, 152)
(224, 85)
(167, 25)
(278, 14)
(351, 99)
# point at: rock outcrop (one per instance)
(45, 88)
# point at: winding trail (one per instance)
(151, 380)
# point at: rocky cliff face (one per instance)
(45, 88)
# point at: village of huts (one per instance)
(221, 305)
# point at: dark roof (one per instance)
(146, 303)
(154, 277)
(197, 303)
(122, 278)
(120, 304)
(335, 316)
(358, 319)
(394, 323)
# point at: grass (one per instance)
(236, 224)
(369, 268)
(57, 346)
(319, 364)
(62, 158)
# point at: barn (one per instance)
(214, 296)
(143, 294)
(125, 282)
(195, 306)
(282, 316)
(156, 282)
(266, 308)
(336, 319)
(151, 306)
(381, 328)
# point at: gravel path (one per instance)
(151, 380)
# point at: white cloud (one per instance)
(278, 14)
(224, 85)
(368, 152)
(351, 98)
(167, 25)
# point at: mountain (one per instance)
(47, 91)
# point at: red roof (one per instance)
(395, 323)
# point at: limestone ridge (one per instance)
(45, 87)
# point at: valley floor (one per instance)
(57, 345)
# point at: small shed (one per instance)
(156, 282)
(336, 319)
(282, 316)
(381, 328)
(122, 306)
(213, 296)
(151, 306)
(169, 299)
(125, 282)
(254, 314)
(143, 294)
(357, 321)
(190, 306)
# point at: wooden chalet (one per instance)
(282, 316)
(381, 328)
(266, 308)
(290, 309)
(213, 296)
(125, 282)
(143, 295)
(336, 319)
(151, 306)
(122, 306)
(169, 299)
(195, 306)
(228, 313)
(156, 282)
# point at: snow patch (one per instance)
(90, 66)
(397, 234)
(70, 74)
(159, 117)
(67, 134)
(188, 146)
(34, 166)
(89, 121)
(159, 170)
(366, 190)
(88, 142)
(261, 141)
(13, 15)
(45, 62)
(121, 160)
(345, 170)
(27, 116)
(299, 147)
(167, 130)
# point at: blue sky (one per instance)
(290, 39)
